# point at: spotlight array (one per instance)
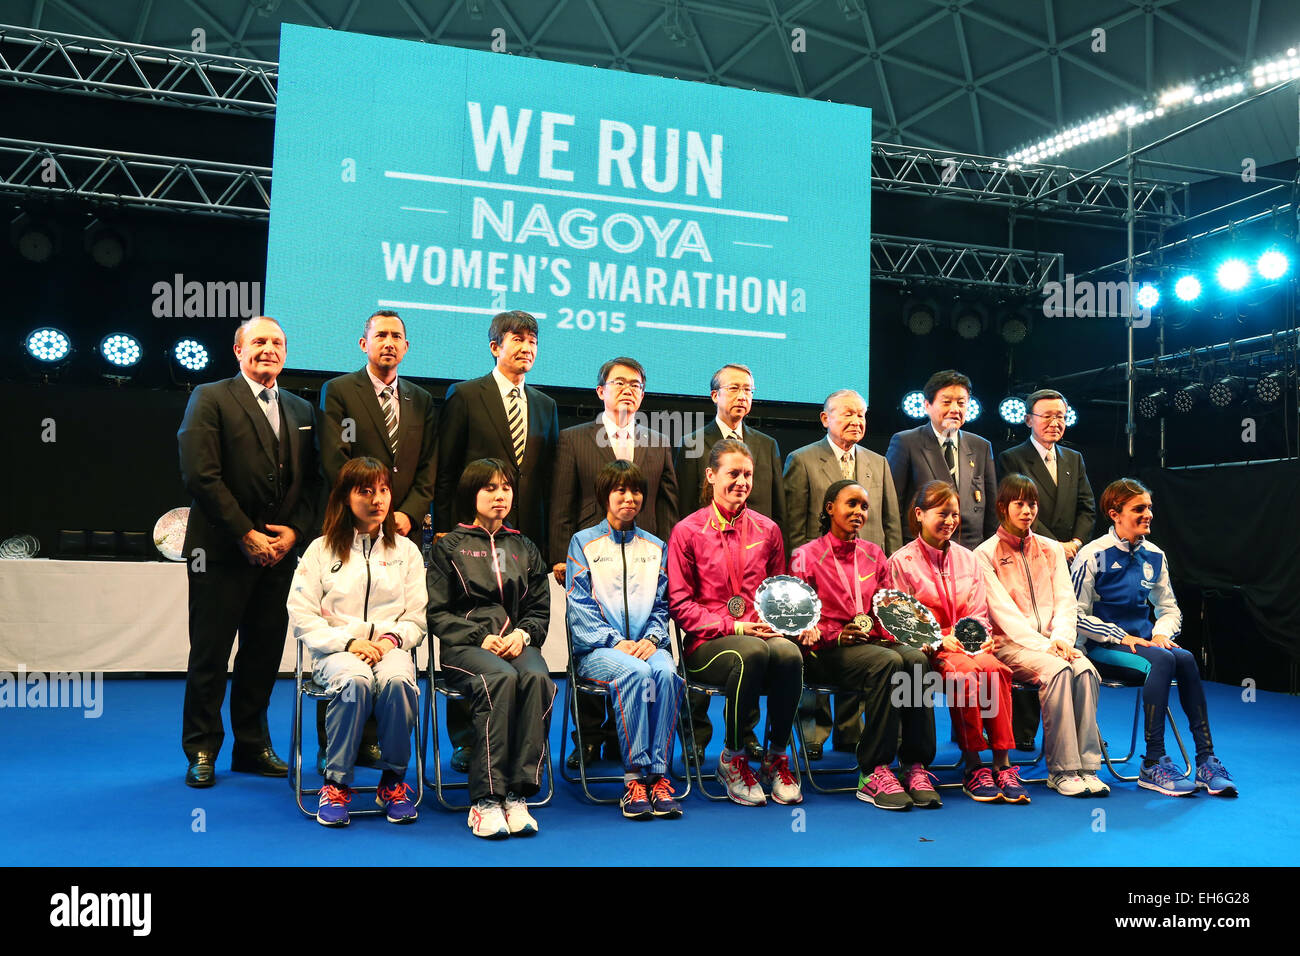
(120, 349)
(914, 404)
(190, 355)
(1012, 410)
(48, 345)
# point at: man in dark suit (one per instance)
(732, 391)
(809, 471)
(940, 451)
(498, 416)
(583, 451)
(372, 413)
(1066, 510)
(249, 457)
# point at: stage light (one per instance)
(35, 239)
(914, 404)
(1149, 406)
(1189, 396)
(1233, 275)
(1148, 295)
(1227, 391)
(107, 245)
(1012, 410)
(1014, 327)
(1272, 265)
(1071, 416)
(1187, 288)
(967, 320)
(919, 317)
(190, 355)
(120, 349)
(1269, 388)
(973, 409)
(48, 345)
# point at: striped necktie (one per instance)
(271, 410)
(847, 470)
(515, 419)
(950, 458)
(390, 418)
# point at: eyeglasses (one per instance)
(747, 390)
(1052, 417)
(620, 383)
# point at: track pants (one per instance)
(1067, 695)
(645, 696)
(1160, 668)
(510, 711)
(388, 690)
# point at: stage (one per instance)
(108, 791)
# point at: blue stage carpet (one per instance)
(109, 791)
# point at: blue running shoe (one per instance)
(636, 802)
(1013, 791)
(978, 785)
(333, 809)
(661, 799)
(1214, 777)
(395, 800)
(1163, 777)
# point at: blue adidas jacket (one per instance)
(618, 584)
(1116, 587)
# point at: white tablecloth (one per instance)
(116, 616)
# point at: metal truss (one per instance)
(132, 179)
(899, 259)
(986, 180)
(131, 71)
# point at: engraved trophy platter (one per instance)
(906, 620)
(971, 633)
(169, 534)
(787, 605)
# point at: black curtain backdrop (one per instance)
(1233, 533)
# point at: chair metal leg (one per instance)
(802, 748)
(1105, 753)
(571, 707)
(690, 761)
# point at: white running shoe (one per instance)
(487, 820)
(1094, 783)
(742, 786)
(777, 775)
(518, 819)
(1068, 784)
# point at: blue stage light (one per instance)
(1187, 288)
(1233, 275)
(120, 349)
(190, 355)
(1071, 416)
(1272, 265)
(914, 404)
(973, 409)
(1148, 295)
(1012, 410)
(48, 345)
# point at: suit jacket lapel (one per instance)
(495, 407)
(933, 454)
(244, 396)
(641, 448)
(830, 464)
(370, 401)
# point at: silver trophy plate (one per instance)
(169, 534)
(787, 605)
(971, 633)
(906, 620)
(19, 547)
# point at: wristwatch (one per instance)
(528, 638)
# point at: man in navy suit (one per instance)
(583, 451)
(498, 416)
(248, 455)
(940, 451)
(1066, 510)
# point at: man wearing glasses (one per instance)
(582, 452)
(732, 391)
(1066, 510)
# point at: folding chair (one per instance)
(582, 685)
(305, 686)
(1137, 718)
(439, 687)
(959, 764)
(802, 742)
(688, 727)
